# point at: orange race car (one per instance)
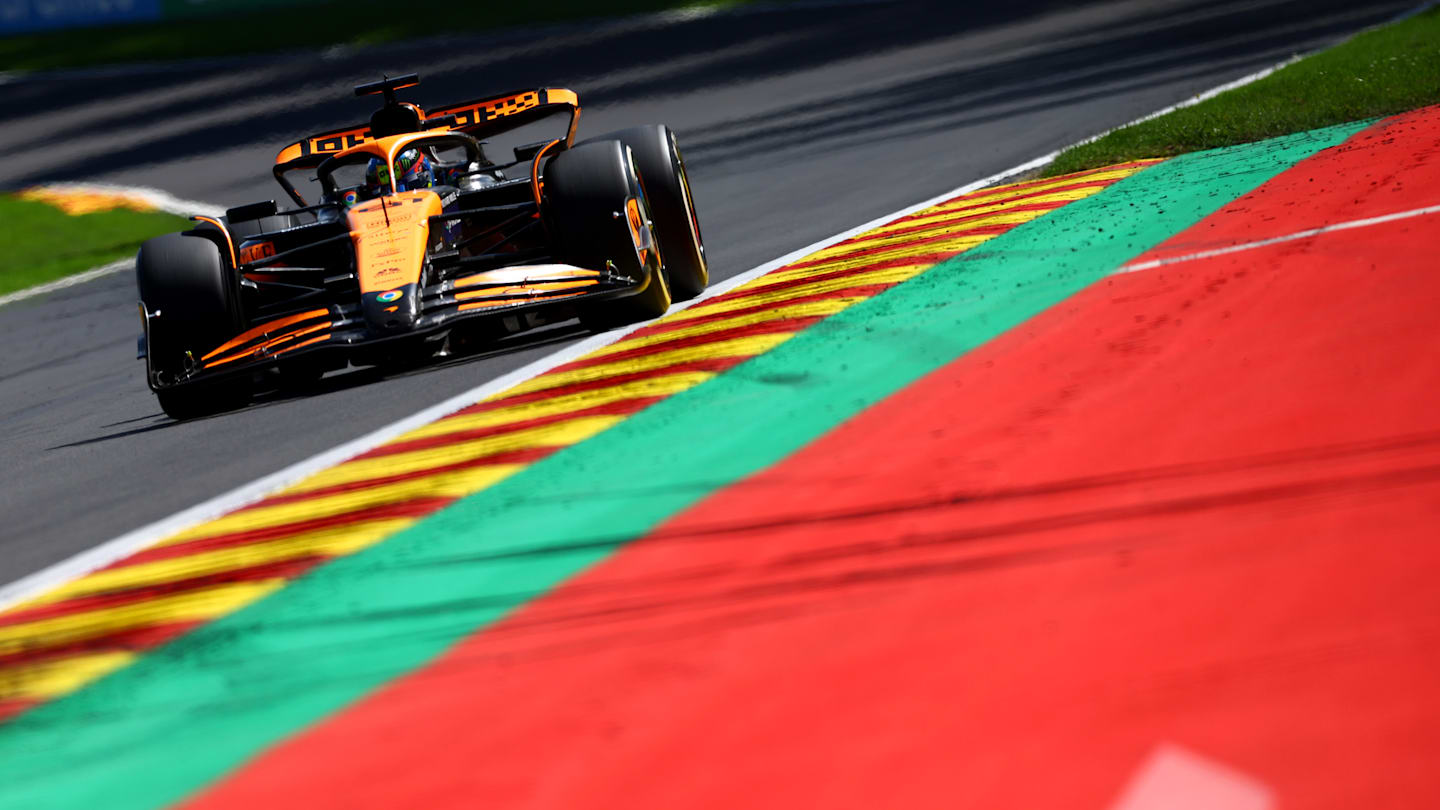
(416, 240)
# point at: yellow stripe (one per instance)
(890, 275)
(565, 403)
(859, 275)
(330, 542)
(1013, 190)
(737, 347)
(324, 506)
(808, 309)
(459, 482)
(49, 679)
(877, 241)
(940, 216)
(197, 605)
(902, 250)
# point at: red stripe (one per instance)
(620, 408)
(859, 290)
(980, 203)
(986, 230)
(715, 364)
(418, 507)
(13, 708)
(778, 325)
(932, 224)
(529, 455)
(288, 569)
(790, 284)
(134, 639)
(1075, 175)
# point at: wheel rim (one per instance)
(643, 205)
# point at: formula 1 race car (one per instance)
(418, 238)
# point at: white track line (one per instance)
(1275, 240)
(68, 281)
(126, 544)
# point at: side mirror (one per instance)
(245, 213)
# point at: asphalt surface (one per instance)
(796, 122)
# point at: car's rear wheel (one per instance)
(598, 211)
(189, 290)
(667, 188)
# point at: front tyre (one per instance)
(667, 188)
(599, 214)
(190, 292)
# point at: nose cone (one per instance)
(390, 312)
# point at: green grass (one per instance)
(43, 243)
(1380, 72)
(306, 26)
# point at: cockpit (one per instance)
(388, 166)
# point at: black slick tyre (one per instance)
(598, 214)
(667, 188)
(190, 292)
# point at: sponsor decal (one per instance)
(390, 295)
(499, 108)
(256, 251)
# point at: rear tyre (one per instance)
(190, 291)
(667, 188)
(599, 213)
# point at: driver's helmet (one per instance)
(413, 171)
(412, 168)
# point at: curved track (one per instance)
(798, 122)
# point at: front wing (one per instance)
(342, 327)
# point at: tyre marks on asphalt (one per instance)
(68, 637)
(860, 582)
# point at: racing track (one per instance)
(858, 109)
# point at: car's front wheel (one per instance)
(600, 214)
(189, 291)
(667, 189)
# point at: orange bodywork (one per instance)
(390, 236)
(563, 281)
(536, 186)
(330, 143)
(224, 230)
(271, 336)
(469, 115)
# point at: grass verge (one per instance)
(43, 243)
(305, 26)
(1381, 72)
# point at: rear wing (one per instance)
(477, 118)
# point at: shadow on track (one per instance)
(353, 377)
